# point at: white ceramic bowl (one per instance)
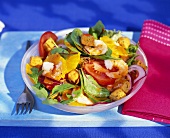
(33, 51)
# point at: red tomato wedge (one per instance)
(45, 36)
(100, 77)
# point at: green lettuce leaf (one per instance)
(41, 93)
(92, 87)
(50, 101)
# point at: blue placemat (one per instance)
(12, 48)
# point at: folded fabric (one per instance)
(152, 101)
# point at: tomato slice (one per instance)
(45, 36)
(100, 77)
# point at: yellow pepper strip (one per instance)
(72, 62)
(74, 103)
(28, 71)
(116, 50)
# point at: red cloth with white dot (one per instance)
(152, 102)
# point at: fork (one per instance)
(26, 100)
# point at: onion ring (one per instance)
(141, 72)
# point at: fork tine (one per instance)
(27, 106)
(31, 106)
(17, 108)
(22, 108)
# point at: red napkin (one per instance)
(152, 102)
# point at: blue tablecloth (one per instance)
(41, 15)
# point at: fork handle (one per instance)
(28, 45)
(26, 89)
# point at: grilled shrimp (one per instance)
(99, 48)
(120, 65)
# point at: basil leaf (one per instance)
(69, 39)
(35, 74)
(132, 48)
(73, 42)
(65, 55)
(38, 85)
(131, 60)
(69, 43)
(58, 50)
(97, 29)
(105, 56)
(63, 87)
(108, 33)
(75, 36)
(93, 33)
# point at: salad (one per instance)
(85, 68)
